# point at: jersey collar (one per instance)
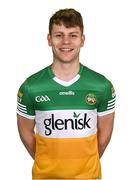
(65, 83)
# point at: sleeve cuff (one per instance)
(106, 112)
(25, 115)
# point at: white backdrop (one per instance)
(24, 50)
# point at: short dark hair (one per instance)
(67, 17)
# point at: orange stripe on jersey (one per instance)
(66, 158)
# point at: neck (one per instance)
(65, 71)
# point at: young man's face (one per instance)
(66, 43)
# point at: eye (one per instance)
(74, 35)
(58, 35)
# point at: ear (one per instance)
(82, 40)
(49, 39)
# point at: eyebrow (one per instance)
(75, 32)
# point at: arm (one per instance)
(105, 128)
(27, 134)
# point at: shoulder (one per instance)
(95, 78)
(33, 81)
(93, 74)
(38, 75)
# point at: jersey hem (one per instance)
(25, 115)
(67, 179)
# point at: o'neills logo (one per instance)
(75, 123)
(69, 93)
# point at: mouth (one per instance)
(66, 49)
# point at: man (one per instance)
(71, 106)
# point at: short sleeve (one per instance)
(107, 101)
(25, 106)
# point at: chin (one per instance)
(67, 60)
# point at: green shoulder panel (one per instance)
(25, 99)
(107, 102)
(101, 89)
(41, 92)
(25, 105)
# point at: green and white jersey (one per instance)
(66, 119)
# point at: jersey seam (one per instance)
(27, 87)
(105, 92)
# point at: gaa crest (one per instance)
(90, 99)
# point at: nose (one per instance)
(66, 39)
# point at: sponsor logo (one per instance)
(19, 99)
(20, 94)
(42, 98)
(75, 123)
(113, 92)
(68, 93)
(91, 99)
(76, 115)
